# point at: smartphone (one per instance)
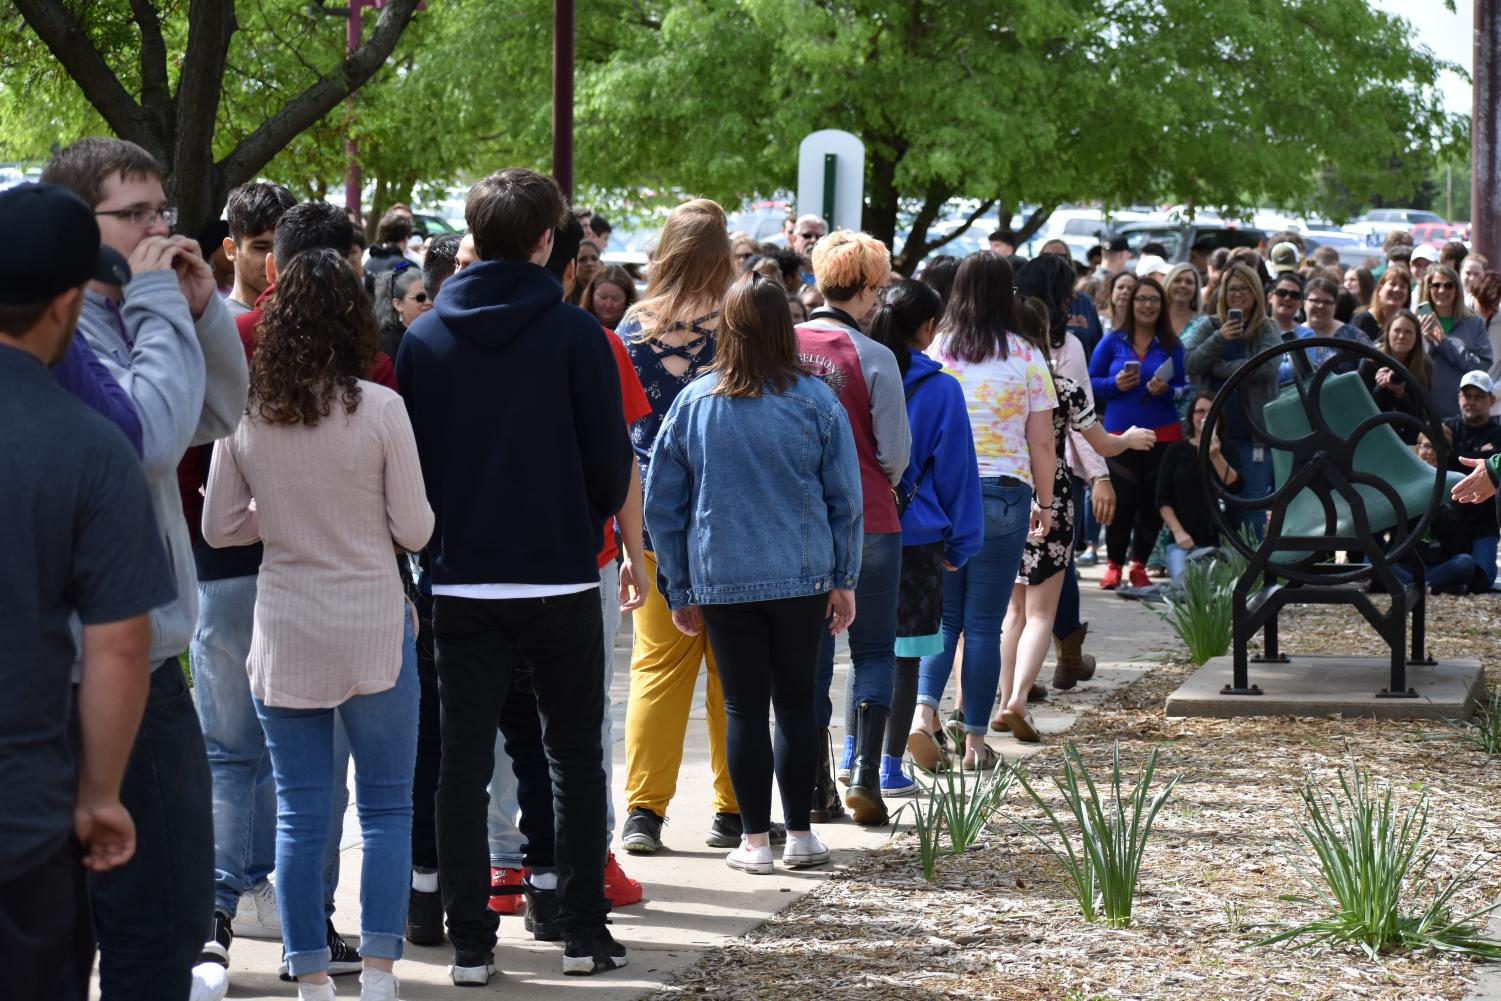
(1234, 314)
(1132, 366)
(1425, 309)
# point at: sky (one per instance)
(1449, 35)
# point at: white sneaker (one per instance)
(471, 969)
(752, 860)
(316, 992)
(378, 985)
(257, 917)
(210, 983)
(803, 852)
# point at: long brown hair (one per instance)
(1393, 272)
(1163, 330)
(757, 347)
(981, 310)
(1417, 358)
(1444, 271)
(316, 340)
(1254, 317)
(692, 263)
(610, 274)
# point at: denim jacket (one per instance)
(754, 498)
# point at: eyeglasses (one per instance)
(1319, 302)
(1287, 293)
(1441, 286)
(144, 215)
(1149, 300)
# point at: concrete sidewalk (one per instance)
(693, 901)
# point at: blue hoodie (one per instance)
(515, 403)
(947, 507)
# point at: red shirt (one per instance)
(636, 406)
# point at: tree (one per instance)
(1216, 105)
(174, 107)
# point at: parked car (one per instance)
(1179, 238)
(431, 225)
(1352, 247)
(1375, 224)
(1439, 233)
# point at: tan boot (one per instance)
(1074, 665)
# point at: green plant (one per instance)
(968, 808)
(1112, 832)
(928, 822)
(1484, 728)
(1370, 860)
(1199, 610)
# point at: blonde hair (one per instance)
(844, 262)
(1186, 268)
(1256, 315)
(1460, 310)
(692, 264)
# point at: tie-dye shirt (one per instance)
(999, 394)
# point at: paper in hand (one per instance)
(1164, 371)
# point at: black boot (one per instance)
(826, 805)
(864, 795)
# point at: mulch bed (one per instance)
(998, 921)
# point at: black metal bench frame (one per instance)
(1323, 461)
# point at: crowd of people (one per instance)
(393, 502)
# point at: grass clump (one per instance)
(1364, 859)
(1103, 847)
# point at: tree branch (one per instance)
(210, 24)
(961, 230)
(1034, 222)
(154, 95)
(65, 38)
(257, 149)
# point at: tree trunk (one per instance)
(879, 218)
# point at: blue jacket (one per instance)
(754, 498)
(947, 505)
(515, 402)
(1137, 406)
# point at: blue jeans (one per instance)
(872, 634)
(382, 732)
(1456, 571)
(506, 843)
(1177, 559)
(1483, 552)
(244, 796)
(152, 913)
(974, 605)
(1256, 479)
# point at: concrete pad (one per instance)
(1332, 686)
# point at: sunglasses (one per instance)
(1440, 286)
(419, 297)
(1320, 302)
(811, 236)
(1287, 293)
(744, 256)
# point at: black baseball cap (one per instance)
(58, 248)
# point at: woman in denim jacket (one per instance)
(753, 501)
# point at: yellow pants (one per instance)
(664, 669)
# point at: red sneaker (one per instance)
(1112, 578)
(621, 889)
(506, 903)
(1139, 576)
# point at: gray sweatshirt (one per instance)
(188, 382)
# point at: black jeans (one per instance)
(1137, 520)
(429, 744)
(767, 652)
(46, 936)
(153, 914)
(482, 648)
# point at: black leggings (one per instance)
(767, 654)
(1137, 520)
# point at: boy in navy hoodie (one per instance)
(515, 403)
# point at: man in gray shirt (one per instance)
(167, 338)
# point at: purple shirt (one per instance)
(83, 375)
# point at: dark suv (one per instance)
(1180, 237)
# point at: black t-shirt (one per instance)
(1178, 487)
(1478, 520)
(79, 537)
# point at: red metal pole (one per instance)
(351, 148)
(562, 95)
(1485, 134)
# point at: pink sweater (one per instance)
(327, 501)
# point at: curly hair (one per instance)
(316, 339)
